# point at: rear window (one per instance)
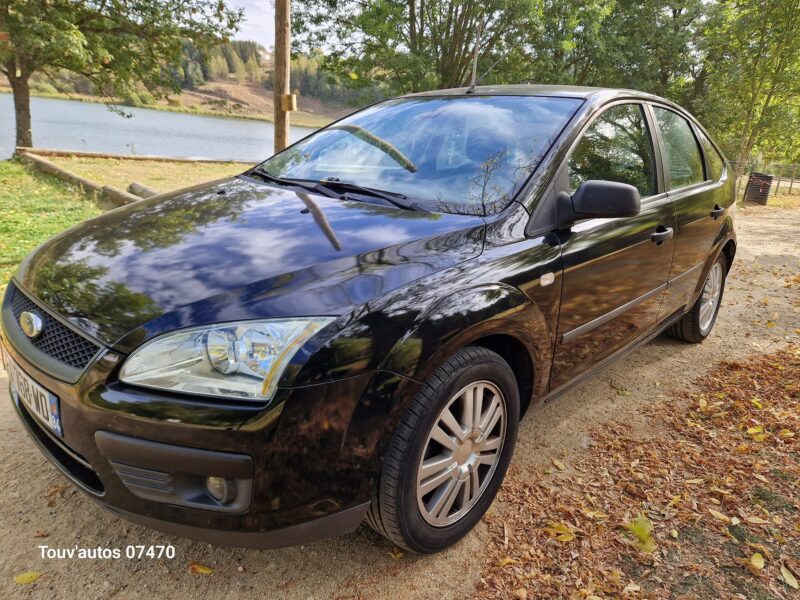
(462, 154)
(684, 160)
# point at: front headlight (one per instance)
(240, 360)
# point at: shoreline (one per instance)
(299, 119)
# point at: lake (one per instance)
(88, 126)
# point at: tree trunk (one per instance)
(22, 107)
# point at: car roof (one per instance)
(540, 89)
(594, 96)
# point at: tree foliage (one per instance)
(736, 64)
(407, 46)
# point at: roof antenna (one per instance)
(471, 89)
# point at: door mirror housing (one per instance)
(598, 199)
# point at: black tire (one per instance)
(689, 328)
(394, 512)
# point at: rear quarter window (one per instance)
(714, 162)
(684, 161)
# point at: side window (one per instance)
(616, 147)
(684, 161)
(715, 161)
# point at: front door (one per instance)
(615, 270)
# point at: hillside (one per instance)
(230, 99)
(252, 100)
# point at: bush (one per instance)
(43, 87)
(146, 98)
(132, 99)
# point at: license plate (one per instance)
(40, 403)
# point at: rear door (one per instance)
(694, 179)
(615, 273)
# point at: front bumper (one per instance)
(305, 466)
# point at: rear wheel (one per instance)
(695, 325)
(449, 454)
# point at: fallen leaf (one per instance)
(40, 533)
(757, 560)
(623, 392)
(595, 514)
(505, 561)
(560, 531)
(642, 529)
(521, 593)
(719, 516)
(27, 577)
(755, 430)
(396, 553)
(199, 569)
(757, 521)
(559, 465)
(693, 481)
(788, 577)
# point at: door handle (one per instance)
(717, 212)
(661, 235)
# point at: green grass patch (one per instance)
(158, 175)
(33, 208)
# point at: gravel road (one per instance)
(760, 312)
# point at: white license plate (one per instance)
(40, 403)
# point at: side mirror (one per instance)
(597, 199)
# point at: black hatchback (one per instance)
(353, 328)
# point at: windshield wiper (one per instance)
(395, 198)
(313, 186)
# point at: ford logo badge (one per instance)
(31, 323)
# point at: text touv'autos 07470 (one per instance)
(353, 329)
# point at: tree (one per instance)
(253, 72)
(752, 74)
(408, 46)
(218, 68)
(116, 44)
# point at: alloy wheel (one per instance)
(461, 453)
(710, 297)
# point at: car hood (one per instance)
(236, 249)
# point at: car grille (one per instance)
(56, 340)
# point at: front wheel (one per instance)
(449, 454)
(695, 325)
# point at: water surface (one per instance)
(88, 126)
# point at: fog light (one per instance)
(220, 489)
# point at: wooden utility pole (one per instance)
(283, 100)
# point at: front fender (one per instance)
(459, 319)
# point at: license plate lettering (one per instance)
(40, 403)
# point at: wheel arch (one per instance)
(729, 250)
(497, 317)
(518, 358)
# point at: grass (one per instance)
(33, 208)
(160, 176)
(784, 201)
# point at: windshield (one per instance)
(461, 154)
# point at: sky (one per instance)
(259, 21)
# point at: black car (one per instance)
(353, 328)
